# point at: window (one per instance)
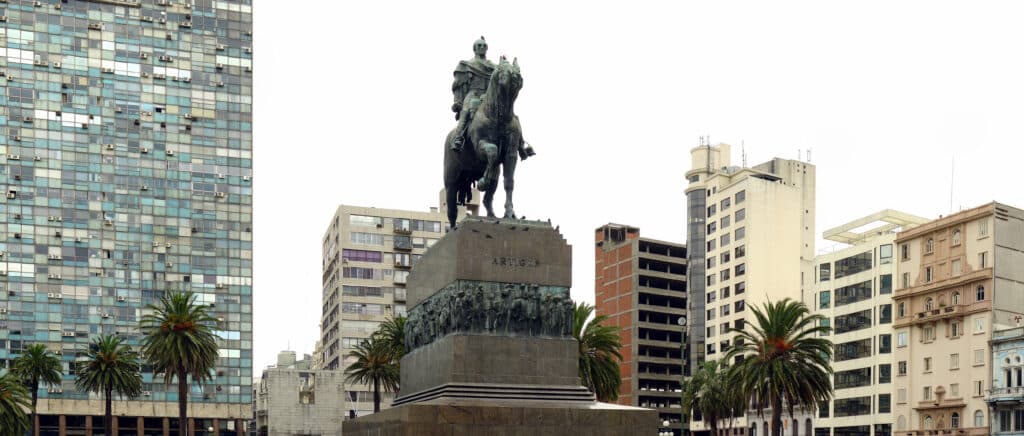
(852, 406)
(928, 274)
(901, 309)
(853, 321)
(954, 420)
(360, 255)
(740, 233)
(740, 287)
(885, 254)
(885, 373)
(824, 272)
(725, 292)
(1018, 419)
(905, 280)
(927, 392)
(740, 251)
(884, 403)
(979, 325)
(711, 348)
(885, 284)
(739, 306)
(710, 263)
(724, 310)
(366, 238)
(885, 314)
(712, 227)
(824, 299)
(980, 294)
(724, 240)
(711, 296)
(904, 252)
(954, 361)
(741, 215)
(1004, 420)
(884, 344)
(901, 339)
(956, 297)
(853, 378)
(827, 323)
(929, 246)
(982, 228)
(711, 279)
(711, 314)
(724, 258)
(901, 367)
(711, 244)
(853, 293)
(983, 259)
(929, 304)
(723, 274)
(711, 210)
(853, 349)
(741, 196)
(741, 269)
(853, 264)
(956, 237)
(365, 221)
(726, 203)
(928, 425)
(954, 390)
(979, 418)
(979, 357)
(928, 334)
(725, 221)
(927, 366)
(955, 331)
(711, 331)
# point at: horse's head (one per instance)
(506, 81)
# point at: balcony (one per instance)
(945, 403)
(403, 227)
(1003, 396)
(941, 313)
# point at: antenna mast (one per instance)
(743, 152)
(952, 172)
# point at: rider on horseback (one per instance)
(471, 79)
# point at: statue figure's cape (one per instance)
(483, 68)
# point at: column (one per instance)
(62, 425)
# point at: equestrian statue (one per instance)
(487, 134)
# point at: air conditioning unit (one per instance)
(146, 19)
(3, 273)
(163, 3)
(220, 66)
(220, 84)
(3, 18)
(78, 239)
(221, 195)
(188, 116)
(108, 222)
(56, 257)
(14, 157)
(166, 58)
(160, 76)
(56, 65)
(108, 146)
(245, 178)
(57, 234)
(17, 177)
(12, 194)
(95, 26)
(220, 286)
(3, 310)
(121, 298)
(221, 176)
(105, 315)
(56, 390)
(248, 50)
(167, 245)
(107, 70)
(185, 24)
(27, 119)
(248, 69)
(170, 152)
(147, 393)
(221, 47)
(145, 187)
(163, 20)
(144, 150)
(54, 276)
(169, 264)
(17, 138)
(51, 218)
(17, 216)
(144, 55)
(67, 334)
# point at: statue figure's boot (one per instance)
(526, 150)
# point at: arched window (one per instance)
(753, 429)
(956, 237)
(954, 420)
(979, 418)
(796, 428)
(928, 304)
(929, 245)
(901, 423)
(928, 420)
(956, 298)
(981, 293)
(766, 429)
(808, 429)
(1017, 359)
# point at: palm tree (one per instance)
(112, 367)
(37, 364)
(785, 362)
(392, 332)
(712, 393)
(599, 353)
(14, 401)
(180, 343)
(374, 364)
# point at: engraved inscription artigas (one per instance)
(514, 262)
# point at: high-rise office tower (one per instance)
(854, 289)
(750, 239)
(958, 279)
(126, 148)
(367, 255)
(640, 284)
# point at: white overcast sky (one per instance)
(352, 105)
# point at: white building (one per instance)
(293, 399)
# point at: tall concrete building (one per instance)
(853, 291)
(640, 284)
(367, 256)
(750, 238)
(958, 280)
(294, 399)
(126, 159)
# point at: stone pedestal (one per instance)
(489, 342)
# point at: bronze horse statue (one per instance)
(493, 139)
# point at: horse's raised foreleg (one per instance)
(489, 153)
(508, 169)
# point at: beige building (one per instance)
(853, 291)
(750, 239)
(958, 279)
(367, 255)
(293, 399)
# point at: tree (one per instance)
(712, 393)
(179, 343)
(785, 362)
(37, 364)
(375, 364)
(14, 401)
(599, 356)
(111, 367)
(392, 332)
